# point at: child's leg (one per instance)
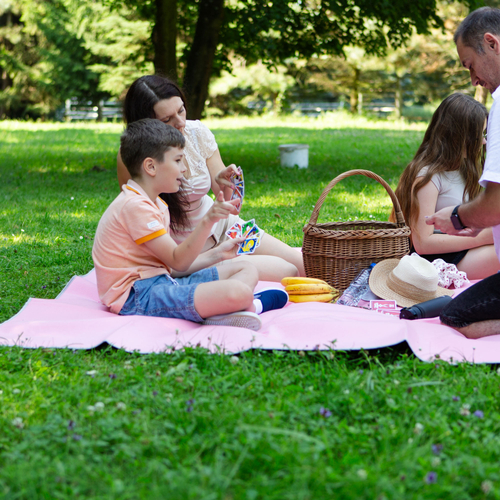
(480, 262)
(233, 292)
(270, 267)
(272, 246)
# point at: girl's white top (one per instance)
(450, 186)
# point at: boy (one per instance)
(136, 259)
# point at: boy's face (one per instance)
(170, 171)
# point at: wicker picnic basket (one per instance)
(337, 251)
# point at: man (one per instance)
(476, 312)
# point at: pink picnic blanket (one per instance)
(76, 319)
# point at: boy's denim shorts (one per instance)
(160, 296)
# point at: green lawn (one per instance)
(281, 425)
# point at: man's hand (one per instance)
(442, 222)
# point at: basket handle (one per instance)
(400, 220)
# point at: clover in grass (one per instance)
(18, 422)
(325, 412)
(431, 477)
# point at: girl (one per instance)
(157, 97)
(445, 172)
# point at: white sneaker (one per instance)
(242, 319)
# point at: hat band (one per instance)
(408, 290)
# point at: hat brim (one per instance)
(378, 285)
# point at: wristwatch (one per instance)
(455, 219)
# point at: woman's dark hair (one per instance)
(144, 93)
(139, 103)
(453, 141)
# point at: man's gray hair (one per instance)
(472, 29)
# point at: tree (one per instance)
(425, 70)
(273, 31)
(42, 59)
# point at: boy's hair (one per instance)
(147, 138)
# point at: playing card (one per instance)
(247, 226)
(391, 312)
(233, 233)
(239, 190)
(383, 304)
(247, 247)
(252, 232)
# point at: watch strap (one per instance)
(455, 219)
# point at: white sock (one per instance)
(258, 306)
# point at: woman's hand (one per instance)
(223, 177)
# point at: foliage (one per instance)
(44, 59)
(425, 70)
(252, 85)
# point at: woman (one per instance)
(445, 172)
(153, 96)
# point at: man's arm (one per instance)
(483, 211)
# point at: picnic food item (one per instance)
(317, 297)
(298, 281)
(309, 289)
(338, 251)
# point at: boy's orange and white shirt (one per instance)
(120, 256)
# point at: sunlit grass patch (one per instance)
(191, 425)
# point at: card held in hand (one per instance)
(239, 187)
(248, 230)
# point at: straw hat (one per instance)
(408, 281)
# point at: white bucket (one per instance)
(294, 154)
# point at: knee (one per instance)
(251, 273)
(289, 270)
(240, 295)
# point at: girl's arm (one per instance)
(423, 237)
(181, 257)
(220, 175)
(121, 170)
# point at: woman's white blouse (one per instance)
(200, 145)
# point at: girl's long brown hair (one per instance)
(453, 141)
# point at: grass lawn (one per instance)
(282, 425)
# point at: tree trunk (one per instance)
(481, 95)
(354, 91)
(201, 56)
(165, 38)
(398, 98)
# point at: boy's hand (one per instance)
(221, 209)
(223, 178)
(228, 249)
